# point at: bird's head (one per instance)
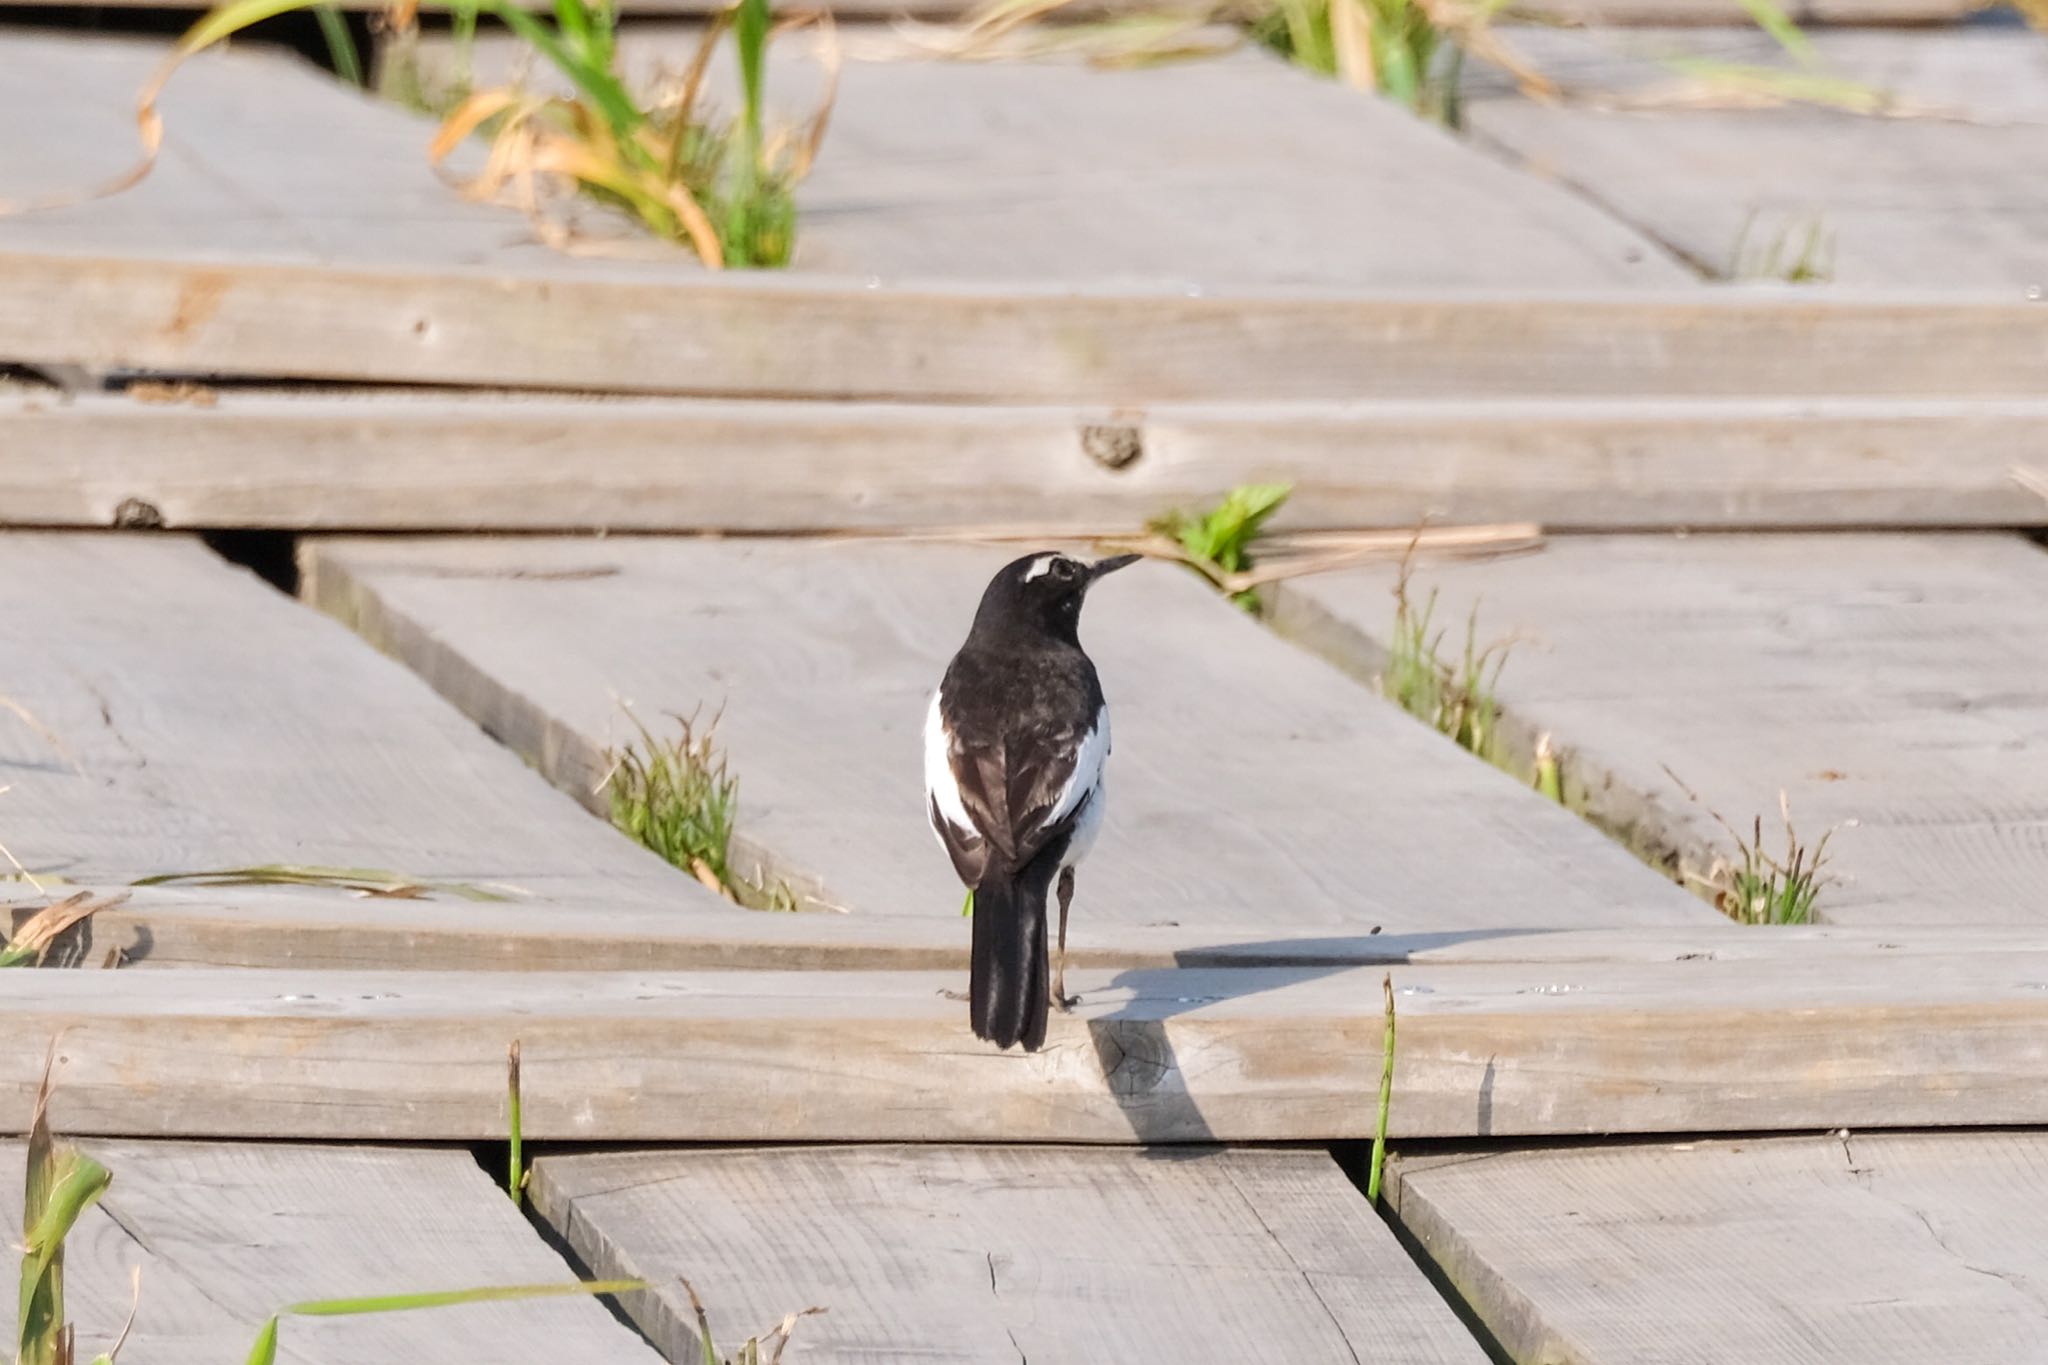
(1043, 592)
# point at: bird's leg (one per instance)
(1060, 998)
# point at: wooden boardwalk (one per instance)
(1856, 1249)
(188, 718)
(1731, 188)
(224, 1235)
(819, 659)
(394, 460)
(1035, 299)
(990, 1255)
(242, 256)
(1892, 681)
(1808, 1040)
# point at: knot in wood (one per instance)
(1134, 1053)
(1113, 446)
(133, 514)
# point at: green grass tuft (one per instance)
(1754, 886)
(1218, 543)
(1456, 698)
(679, 798)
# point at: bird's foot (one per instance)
(1065, 1003)
(954, 995)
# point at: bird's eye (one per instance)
(1063, 570)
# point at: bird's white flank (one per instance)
(938, 772)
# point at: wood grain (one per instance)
(988, 1255)
(187, 718)
(243, 256)
(1250, 784)
(246, 927)
(1224, 174)
(753, 337)
(1892, 681)
(228, 1234)
(1806, 1041)
(387, 460)
(1950, 200)
(1874, 1249)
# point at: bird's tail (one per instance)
(1007, 991)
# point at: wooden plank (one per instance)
(990, 1255)
(1875, 1249)
(387, 460)
(1893, 681)
(1223, 174)
(755, 337)
(1948, 200)
(243, 255)
(187, 718)
(257, 928)
(819, 658)
(226, 1235)
(1803, 1042)
(1232, 172)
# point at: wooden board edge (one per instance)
(477, 464)
(807, 335)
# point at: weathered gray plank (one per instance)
(989, 1255)
(755, 337)
(226, 1235)
(265, 928)
(188, 718)
(1222, 174)
(242, 255)
(1949, 200)
(1877, 1249)
(1227, 173)
(387, 460)
(1889, 680)
(1799, 1041)
(1251, 785)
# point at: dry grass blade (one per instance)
(1297, 554)
(44, 732)
(364, 881)
(31, 942)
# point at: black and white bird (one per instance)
(1014, 746)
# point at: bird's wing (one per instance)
(958, 833)
(1022, 788)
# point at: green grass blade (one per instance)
(1774, 21)
(605, 89)
(264, 1352)
(750, 23)
(341, 44)
(967, 906)
(448, 1298)
(233, 17)
(1379, 1134)
(515, 1175)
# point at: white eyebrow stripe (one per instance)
(1042, 564)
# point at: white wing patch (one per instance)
(939, 783)
(1041, 565)
(1087, 769)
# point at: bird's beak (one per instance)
(1104, 567)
